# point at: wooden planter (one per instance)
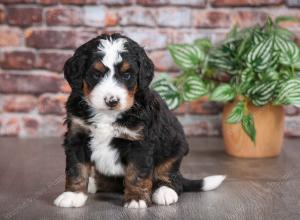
(269, 124)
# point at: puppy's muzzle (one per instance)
(111, 101)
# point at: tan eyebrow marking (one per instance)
(99, 66)
(125, 66)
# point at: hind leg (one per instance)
(167, 182)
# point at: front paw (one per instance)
(70, 199)
(164, 196)
(133, 204)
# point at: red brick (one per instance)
(204, 107)
(292, 126)
(291, 110)
(197, 3)
(47, 2)
(249, 18)
(195, 125)
(47, 38)
(211, 19)
(182, 109)
(136, 16)
(99, 16)
(111, 19)
(19, 103)
(163, 61)
(245, 2)
(51, 126)
(34, 82)
(189, 35)
(22, 60)
(52, 104)
(291, 12)
(116, 2)
(64, 16)
(30, 126)
(10, 37)
(65, 87)
(9, 125)
(42, 126)
(151, 39)
(173, 17)
(17, 1)
(82, 35)
(293, 3)
(24, 16)
(53, 60)
(2, 14)
(79, 2)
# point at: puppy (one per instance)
(121, 135)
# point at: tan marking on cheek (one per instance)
(86, 90)
(130, 98)
(125, 66)
(99, 66)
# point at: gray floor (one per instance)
(32, 175)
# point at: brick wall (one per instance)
(37, 36)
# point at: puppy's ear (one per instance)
(146, 72)
(74, 69)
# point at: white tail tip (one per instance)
(212, 182)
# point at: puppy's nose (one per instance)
(111, 101)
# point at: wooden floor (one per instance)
(32, 175)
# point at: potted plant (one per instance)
(253, 72)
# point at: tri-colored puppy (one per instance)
(121, 135)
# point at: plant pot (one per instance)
(269, 124)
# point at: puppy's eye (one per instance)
(126, 76)
(96, 75)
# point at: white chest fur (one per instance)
(105, 157)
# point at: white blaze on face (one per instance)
(108, 86)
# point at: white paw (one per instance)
(212, 182)
(164, 196)
(70, 199)
(141, 204)
(92, 186)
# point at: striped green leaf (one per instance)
(220, 61)
(222, 93)
(193, 88)
(285, 75)
(262, 93)
(237, 113)
(297, 63)
(203, 43)
(270, 75)
(168, 92)
(289, 51)
(289, 93)
(186, 56)
(247, 75)
(260, 56)
(249, 127)
(258, 36)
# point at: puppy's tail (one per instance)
(205, 184)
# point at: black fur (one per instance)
(164, 138)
